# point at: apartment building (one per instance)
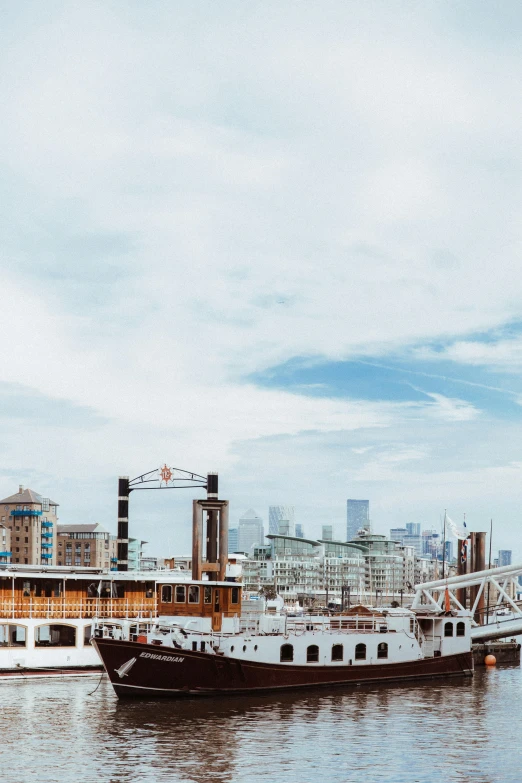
(32, 522)
(86, 545)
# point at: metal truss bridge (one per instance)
(501, 617)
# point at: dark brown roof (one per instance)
(27, 496)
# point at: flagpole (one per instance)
(444, 546)
(489, 566)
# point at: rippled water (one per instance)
(448, 731)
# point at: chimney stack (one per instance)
(20, 489)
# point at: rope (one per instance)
(99, 683)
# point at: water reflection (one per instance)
(460, 731)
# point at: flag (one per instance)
(464, 552)
(454, 530)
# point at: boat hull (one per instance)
(145, 670)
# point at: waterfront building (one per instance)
(89, 545)
(278, 514)
(357, 517)
(135, 555)
(413, 528)
(250, 531)
(31, 520)
(327, 533)
(504, 557)
(232, 540)
(384, 564)
(5, 544)
(299, 530)
(398, 534)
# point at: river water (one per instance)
(458, 730)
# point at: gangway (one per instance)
(433, 596)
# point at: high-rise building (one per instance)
(279, 514)
(357, 517)
(398, 534)
(250, 531)
(232, 540)
(299, 530)
(413, 528)
(327, 533)
(32, 521)
(504, 557)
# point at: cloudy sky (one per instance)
(277, 240)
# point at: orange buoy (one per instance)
(490, 660)
(143, 640)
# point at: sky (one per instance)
(280, 241)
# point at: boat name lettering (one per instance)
(170, 658)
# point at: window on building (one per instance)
(13, 635)
(193, 594)
(461, 629)
(207, 595)
(55, 636)
(181, 594)
(166, 594)
(286, 653)
(27, 539)
(77, 561)
(382, 650)
(312, 654)
(448, 629)
(360, 652)
(235, 595)
(337, 652)
(45, 504)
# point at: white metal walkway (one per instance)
(431, 596)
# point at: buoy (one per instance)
(490, 660)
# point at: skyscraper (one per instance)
(357, 517)
(299, 530)
(250, 531)
(327, 533)
(278, 514)
(232, 540)
(504, 557)
(413, 528)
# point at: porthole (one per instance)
(255, 647)
(232, 648)
(244, 648)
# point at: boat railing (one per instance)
(352, 624)
(83, 608)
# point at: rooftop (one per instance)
(93, 527)
(26, 496)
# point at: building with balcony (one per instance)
(5, 544)
(32, 521)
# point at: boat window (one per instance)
(312, 654)
(207, 595)
(448, 629)
(360, 652)
(382, 650)
(166, 594)
(13, 636)
(337, 652)
(87, 633)
(55, 636)
(235, 595)
(193, 594)
(181, 594)
(216, 601)
(461, 629)
(412, 624)
(287, 653)
(149, 590)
